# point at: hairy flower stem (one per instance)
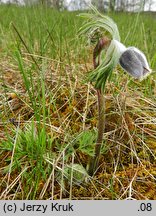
(102, 44)
(101, 126)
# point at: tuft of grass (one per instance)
(48, 114)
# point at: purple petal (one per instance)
(134, 62)
(130, 63)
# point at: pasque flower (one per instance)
(131, 59)
(135, 63)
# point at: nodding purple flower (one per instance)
(131, 59)
(135, 63)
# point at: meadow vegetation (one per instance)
(48, 112)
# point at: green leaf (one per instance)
(97, 21)
(100, 75)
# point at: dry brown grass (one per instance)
(127, 167)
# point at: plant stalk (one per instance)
(94, 161)
(101, 126)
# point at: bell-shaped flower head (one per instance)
(135, 63)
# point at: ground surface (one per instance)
(48, 113)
